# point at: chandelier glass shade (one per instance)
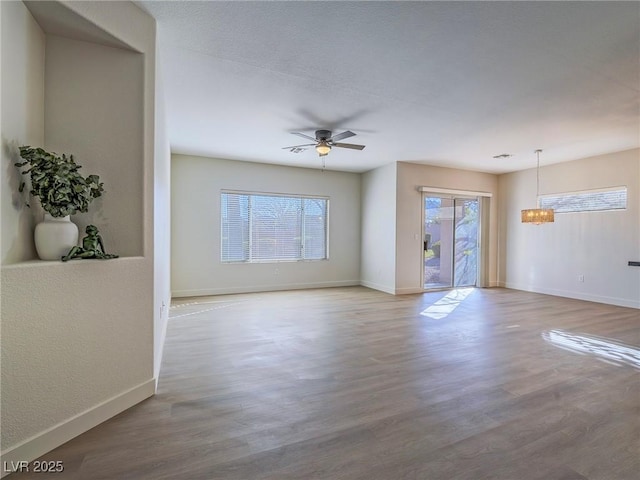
(537, 215)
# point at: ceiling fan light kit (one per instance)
(323, 149)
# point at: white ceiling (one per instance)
(442, 83)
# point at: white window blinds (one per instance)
(259, 227)
(586, 201)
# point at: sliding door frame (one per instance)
(483, 199)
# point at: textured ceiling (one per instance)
(442, 83)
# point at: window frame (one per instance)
(302, 229)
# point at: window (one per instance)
(259, 227)
(614, 198)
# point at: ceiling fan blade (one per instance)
(349, 145)
(300, 146)
(304, 136)
(342, 136)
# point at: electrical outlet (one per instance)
(581, 278)
(276, 272)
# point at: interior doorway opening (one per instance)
(451, 241)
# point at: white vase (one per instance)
(55, 236)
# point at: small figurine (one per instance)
(92, 247)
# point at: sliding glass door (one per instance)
(438, 242)
(465, 250)
(450, 253)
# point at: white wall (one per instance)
(196, 269)
(23, 48)
(548, 258)
(378, 257)
(409, 217)
(77, 337)
(73, 337)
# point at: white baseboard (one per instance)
(261, 288)
(378, 286)
(409, 290)
(621, 302)
(45, 441)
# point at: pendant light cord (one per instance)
(538, 176)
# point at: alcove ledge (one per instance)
(80, 263)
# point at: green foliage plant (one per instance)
(55, 180)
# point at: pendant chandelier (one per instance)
(537, 215)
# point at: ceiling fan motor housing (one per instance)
(323, 135)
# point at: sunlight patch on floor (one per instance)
(605, 349)
(195, 308)
(447, 304)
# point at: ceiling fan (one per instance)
(324, 142)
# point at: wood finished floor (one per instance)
(350, 383)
